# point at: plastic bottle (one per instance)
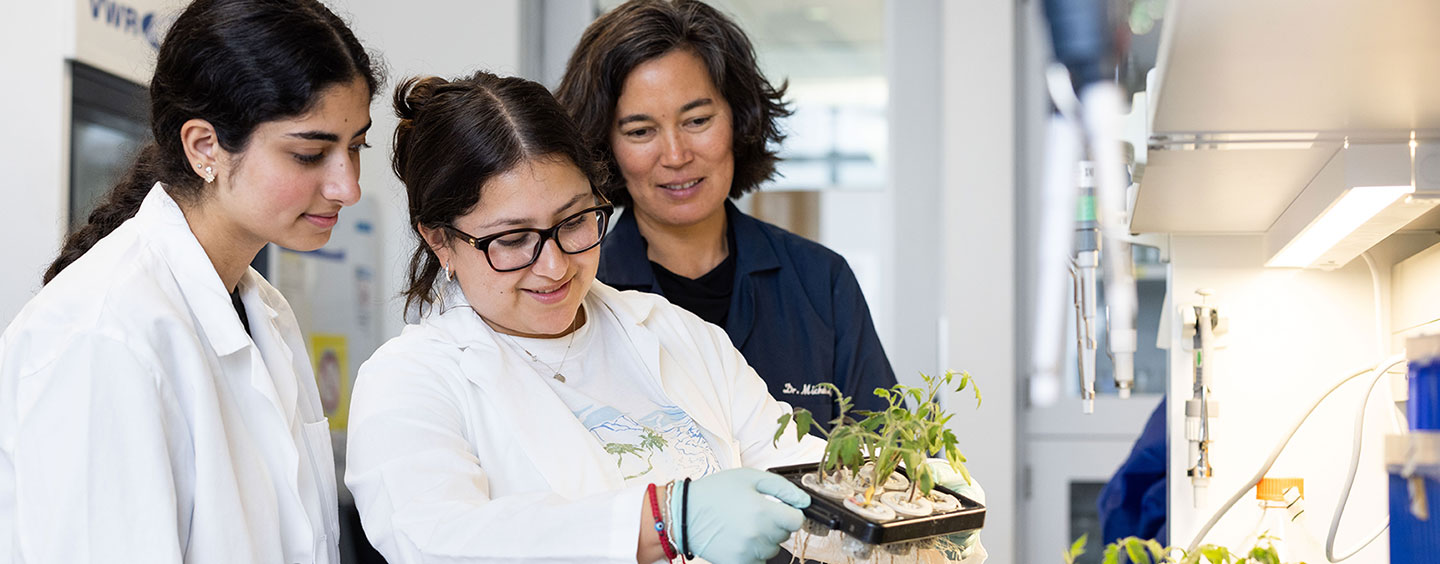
(1281, 504)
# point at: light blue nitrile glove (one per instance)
(946, 476)
(730, 518)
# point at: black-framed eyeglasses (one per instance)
(515, 249)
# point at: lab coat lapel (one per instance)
(271, 356)
(559, 446)
(214, 312)
(274, 377)
(164, 225)
(753, 255)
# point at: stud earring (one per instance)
(448, 274)
(209, 174)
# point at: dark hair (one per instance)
(235, 64)
(642, 30)
(456, 135)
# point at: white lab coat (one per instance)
(459, 451)
(140, 423)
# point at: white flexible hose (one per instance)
(1380, 345)
(1397, 415)
(1275, 454)
(1350, 477)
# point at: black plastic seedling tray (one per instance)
(835, 515)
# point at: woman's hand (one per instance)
(731, 518)
(946, 476)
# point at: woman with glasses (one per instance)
(530, 412)
(670, 97)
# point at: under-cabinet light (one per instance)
(1366, 213)
(1363, 194)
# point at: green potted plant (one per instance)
(910, 437)
(861, 468)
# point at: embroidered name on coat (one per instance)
(808, 390)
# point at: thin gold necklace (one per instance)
(555, 370)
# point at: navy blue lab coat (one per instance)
(796, 312)
(1133, 501)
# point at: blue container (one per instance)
(1412, 540)
(1423, 409)
(1423, 406)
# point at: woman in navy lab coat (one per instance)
(671, 99)
(156, 401)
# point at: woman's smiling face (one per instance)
(540, 300)
(672, 140)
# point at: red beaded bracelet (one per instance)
(670, 553)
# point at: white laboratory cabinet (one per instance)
(1253, 106)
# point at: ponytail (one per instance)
(119, 205)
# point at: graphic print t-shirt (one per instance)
(611, 392)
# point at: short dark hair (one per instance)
(235, 64)
(643, 30)
(456, 135)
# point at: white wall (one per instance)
(419, 38)
(1292, 335)
(32, 148)
(977, 242)
(905, 219)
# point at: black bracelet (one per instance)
(684, 520)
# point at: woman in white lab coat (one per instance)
(530, 412)
(156, 401)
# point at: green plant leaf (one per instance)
(1076, 549)
(1136, 551)
(1112, 554)
(1265, 555)
(850, 452)
(1216, 554)
(913, 459)
(834, 452)
(842, 415)
(803, 421)
(1157, 552)
(926, 479)
(784, 421)
(883, 393)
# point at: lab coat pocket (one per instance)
(322, 463)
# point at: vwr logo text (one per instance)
(128, 20)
